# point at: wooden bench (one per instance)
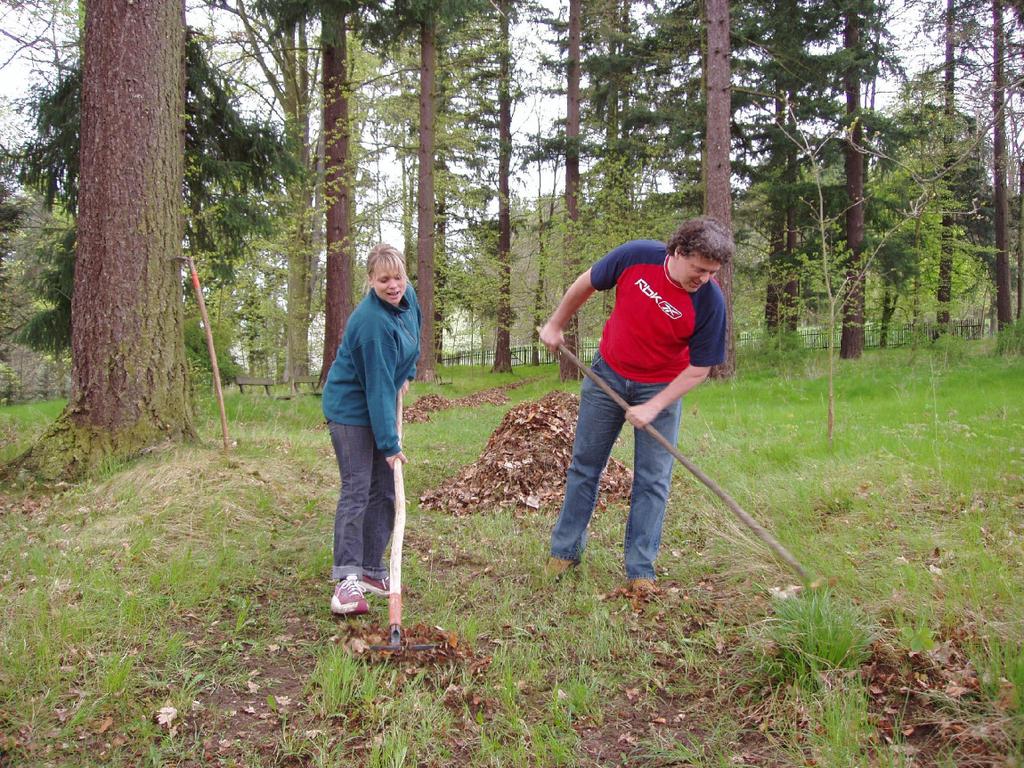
(312, 381)
(254, 381)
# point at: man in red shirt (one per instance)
(665, 333)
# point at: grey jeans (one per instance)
(365, 515)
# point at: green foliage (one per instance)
(815, 632)
(12, 212)
(950, 349)
(1010, 340)
(232, 164)
(50, 159)
(10, 383)
(233, 167)
(783, 352)
(49, 328)
(198, 355)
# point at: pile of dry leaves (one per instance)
(525, 462)
(420, 411)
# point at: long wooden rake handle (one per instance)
(397, 538)
(736, 509)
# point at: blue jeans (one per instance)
(365, 515)
(597, 428)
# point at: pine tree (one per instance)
(129, 378)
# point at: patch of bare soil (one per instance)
(420, 411)
(650, 725)
(236, 720)
(525, 462)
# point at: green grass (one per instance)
(813, 633)
(198, 579)
(23, 423)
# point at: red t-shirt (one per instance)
(657, 328)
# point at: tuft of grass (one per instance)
(1000, 666)
(842, 728)
(1010, 341)
(341, 683)
(815, 632)
(393, 751)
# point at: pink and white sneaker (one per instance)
(348, 599)
(374, 586)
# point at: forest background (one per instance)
(168, 607)
(875, 167)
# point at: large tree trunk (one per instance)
(503, 337)
(567, 370)
(337, 187)
(852, 341)
(294, 59)
(426, 369)
(129, 385)
(1020, 242)
(944, 291)
(776, 245)
(441, 261)
(1002, 210)
(791, 289)
(717, 167)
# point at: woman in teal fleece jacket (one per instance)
(376, 360)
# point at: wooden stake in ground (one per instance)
(744, 518)
(209, 346)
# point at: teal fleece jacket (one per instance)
(378, 353)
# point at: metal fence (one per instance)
(875, 336)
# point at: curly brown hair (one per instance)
(708, 237)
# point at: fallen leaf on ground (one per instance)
(165, 715)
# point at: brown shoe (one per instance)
(642, 586)
(556, 567)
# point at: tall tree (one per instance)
(567, 370)
(503, 342)
(944, 290)
(425, 18)
(426, 368)
(278, 42)
(789, 72)
(717, 166)
(852, 340)
(338, 182)
(129, 386)
(232, 167)
(1003, 314)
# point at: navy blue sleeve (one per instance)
(707, 345)
(604, 274)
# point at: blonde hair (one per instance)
(384, 257)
